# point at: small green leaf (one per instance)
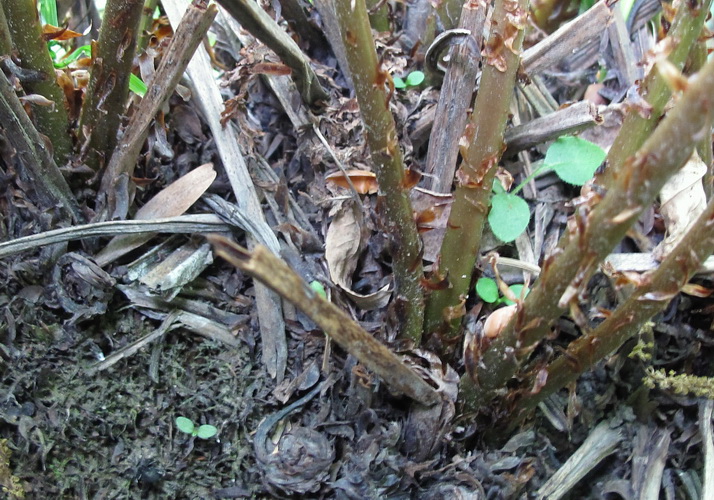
(48, 9)
(79, 52)
(184, 425)
(318, 288)
(206, 431)
(399, 83)
(574, 159)
(509, 216)
(487, 289)
(516, 289)
(415, 78)
(136, 85)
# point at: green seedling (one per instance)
(573, 159)
(487, 289)
(414, 79)
(204, 431)
(318, 288)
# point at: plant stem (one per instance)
(105, 99)
(475, 177)
(686, 27)
(369, 80)
(36, 163)
(595, 232)
(662, 285)
(26, 33)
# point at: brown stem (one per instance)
(26, 33)
(105, 99)
(369, 81)
(475, 177)
(593, 234)
(264, 266)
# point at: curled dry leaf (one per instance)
(173, 200)
(682, 200)
(343, 245)
(498, 320)
(364, 181)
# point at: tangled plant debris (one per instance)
(350, 341)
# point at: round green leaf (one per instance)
(415, 78)
(399, 83)
(206, 431)
(574, 159)
(487, 289)
(509, 216)
(516, 289)
(184, 425)
(318, 288)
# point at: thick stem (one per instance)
(26, 33)
(369, 82)
(686, 27)
(36, 162)
(662, 285)
(593, 235)
(475, 177)
(112, 60)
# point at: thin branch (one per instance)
(593, 235)
(462, 241)
(262, 265)
(106, 94)
(369, 80)
(113, 196)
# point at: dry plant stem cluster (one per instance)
(263, 265)
(26, 34)
(112, 60)
(114, 193)
(593, 234)
(462, 241)
(369, 82)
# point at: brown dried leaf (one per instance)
(343, 244)
(682, 201)
(364, 181)
(173, 200)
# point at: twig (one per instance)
(34, 156)
(275, 273)
(571, 36)
(253, 18)
(114, 193)
(182, 224)
(570, 120)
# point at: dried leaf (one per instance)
(682, 201)
(343, 244)
(364, 181)
(173, 200)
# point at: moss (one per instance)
(9, 484)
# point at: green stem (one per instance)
(686, 27)
(108, 87)
(596, 232)
(369, 81)
(462, 241)
(26, 34)
(662, 284)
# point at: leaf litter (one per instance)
(76, 433)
